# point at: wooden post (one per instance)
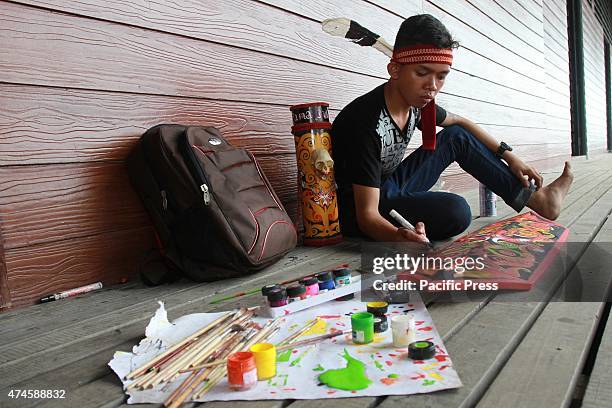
(577, 87)
(608, 63)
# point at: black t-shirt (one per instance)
(367, 145)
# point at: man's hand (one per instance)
(418, 236)
(523, 171)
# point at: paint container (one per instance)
(381, 324)
(342, 277)
(266, 289)
(421, 350)
(265, 360)
(296, 292)
(362, 325)
(403, 330)
(312, 285)
(241, 371)
(488, 201)
(326, 281)
(378, 308)
(277, 297)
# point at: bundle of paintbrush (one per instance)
(232, 332)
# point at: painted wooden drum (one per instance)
(316, 182)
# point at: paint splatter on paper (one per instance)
(319, 327)
(350, 378)
(284, 356)
(299, 359)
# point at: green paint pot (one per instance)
(362, 325)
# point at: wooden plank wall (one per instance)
(556, 54)
(595, 80)
(80, 81)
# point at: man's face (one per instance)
(418, 84)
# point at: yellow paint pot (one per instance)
(265, 360)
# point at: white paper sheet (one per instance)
(391, 372)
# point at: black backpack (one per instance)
(214, 211)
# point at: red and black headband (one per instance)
(423, 53)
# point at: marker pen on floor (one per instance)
(72, 292)
(405, 223)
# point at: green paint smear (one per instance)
(299, 359)
(296, 361)
(284, 356)
(318, 368)
(428, 382)
(378, 365)
(393, 376)
(284, 377)
(351, 378)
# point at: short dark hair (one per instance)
(424, 29)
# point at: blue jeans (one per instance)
(446, 214)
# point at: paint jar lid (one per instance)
(324, 276)
(277, 294)
(421, 350)
(296, 290)
(266, 289)
(309, 280)
(380, 324)
(378, 308)
(338, 273)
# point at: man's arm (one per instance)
(522, 170)
(374, 225)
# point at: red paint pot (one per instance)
(241, 371)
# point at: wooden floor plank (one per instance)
(546, 366)
(55, 316)
(599, 392)
(39, 314)
(77, 315)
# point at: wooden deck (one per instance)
(507, 354)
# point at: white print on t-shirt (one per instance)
(393, 143)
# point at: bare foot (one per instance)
(547, 200)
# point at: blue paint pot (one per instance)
(326, 281)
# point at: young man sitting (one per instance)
(371, 134)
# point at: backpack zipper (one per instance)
(164, 200)
(206, 194)
(197, 171)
